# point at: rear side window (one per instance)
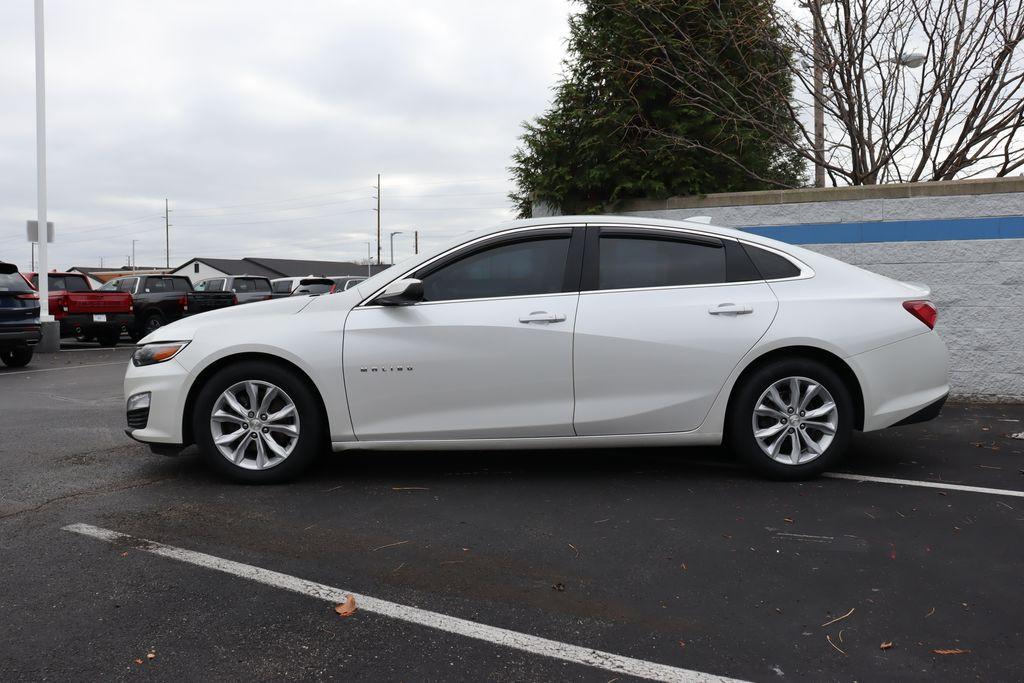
(157, 284)
(628, 262)
(243, 284)
(534, 266)
(261, 285)
(13, 282)
(771, 265)
(283, 287)
(181, 284)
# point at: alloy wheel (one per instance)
(795, 420)
(254, 424)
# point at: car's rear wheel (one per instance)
(154, 321)
(109, 337)
(791, 419)
(16, 358)
(258, 423)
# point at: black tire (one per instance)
(739, 432)
(153, 322)
(17, 358)
(109, 337)
(312, 431)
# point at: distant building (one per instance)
(200, 268)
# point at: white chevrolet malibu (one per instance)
(567, 332)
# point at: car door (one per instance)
(487, 354)
(664, 317)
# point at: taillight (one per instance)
(183, 302)
(333, 289)
(234, 299)
(924, 311)
(30, 295)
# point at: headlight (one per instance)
(151, 354)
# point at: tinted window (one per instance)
(521, 268)
(282, 287)
(243, 284)
(158, 284)
(201, 286)
(635, 261)
(127, 285)
(13, 282)
(180, 284)
(63, 283)
(214, 286)
(770, 265)
(261, 285)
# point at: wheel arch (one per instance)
(827, 358)
(193, 392)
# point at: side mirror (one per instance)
(401, 293)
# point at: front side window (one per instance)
(282, 287)
(628, 262)
(127, 285)
(215, 285)
(521, 268)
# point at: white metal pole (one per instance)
(369, 261)
(44, 285)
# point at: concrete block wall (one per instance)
(963, 238)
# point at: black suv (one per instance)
(19, 317)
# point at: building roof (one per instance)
(277, 267)
(233, 266)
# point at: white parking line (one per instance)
(924, 484)
(470, 629)
(70, 367)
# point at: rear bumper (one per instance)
(902, 380)
(929, 412)
(21, 335)
(85, 323)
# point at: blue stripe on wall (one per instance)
(1004, 227)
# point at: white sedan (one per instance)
(569, 332)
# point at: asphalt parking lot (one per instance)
(676, 562)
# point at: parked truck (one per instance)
(161, 299)
(84, 312)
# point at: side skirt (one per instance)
(537, 443)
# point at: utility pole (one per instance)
(416, 242)
(101, 261)
(378, 218)
(133, 255)
(369, 261)
(167, 232)
(33, 256)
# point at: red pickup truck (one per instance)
(85, 312)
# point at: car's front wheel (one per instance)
(791, 419)
(258, 423)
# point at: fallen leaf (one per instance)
(957, 651)
(930, 612)
(124, 554)
(138, 661)
(389, 545)
(787, 520)
(887, 645)
(683, 566)
(409, 488)
(682, 644)
(560, 587)
(575, 549)
(727, 537)
(347, 608)
(150, 655)
(829, 623)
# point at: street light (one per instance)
(369, 260)
(910, 60)
(397, 232)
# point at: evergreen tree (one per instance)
(617, 129)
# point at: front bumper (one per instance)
(166, 383)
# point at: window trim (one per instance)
(592, 256)
(570, 284)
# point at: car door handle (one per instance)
(731, 309)
(542, 317)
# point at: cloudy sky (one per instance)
(266, 126)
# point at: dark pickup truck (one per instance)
(161, 299)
